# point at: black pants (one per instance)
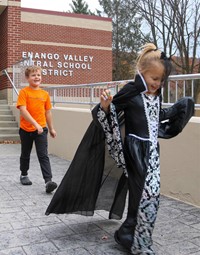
(27, 139)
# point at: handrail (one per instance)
(194, 76)
(17, 69)
(13, 85)
(181, 85)
(88, 94)
(89, 84)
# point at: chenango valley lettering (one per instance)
(55, 64)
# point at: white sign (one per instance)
(58, 65)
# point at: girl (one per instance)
(94, 182)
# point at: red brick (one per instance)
(12, 31)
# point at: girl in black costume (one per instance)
(94, 182)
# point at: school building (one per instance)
(70, 48)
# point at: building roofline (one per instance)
(67, 14)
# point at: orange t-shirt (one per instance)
(37, 102)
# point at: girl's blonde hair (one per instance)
(149, 54)
(32, 69)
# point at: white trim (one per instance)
(66, 21)
(143, 80)
(67, 45)
(13, 3)
(140, 138)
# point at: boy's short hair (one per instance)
(31, 69)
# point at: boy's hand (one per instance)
(39, 129)
(52, 133)
(105, 100)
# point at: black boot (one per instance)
(124, 235)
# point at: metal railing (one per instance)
(12, 83)
(85, 94)
(88, 94)
(181, 86)
(18, 77)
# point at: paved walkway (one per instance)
(25, 230)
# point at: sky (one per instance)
(57, 5)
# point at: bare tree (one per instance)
(127, 37)
(175, 27)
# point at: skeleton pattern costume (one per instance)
(149, 202)
(95, 181)
(142, 216)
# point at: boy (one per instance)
(35, 113)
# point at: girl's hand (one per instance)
(105, 100)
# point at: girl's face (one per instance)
(154, 77)
(34, 79)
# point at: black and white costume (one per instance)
(95, 181)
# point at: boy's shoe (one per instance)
(25, 180)
(50, 186)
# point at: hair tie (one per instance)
(163, 56)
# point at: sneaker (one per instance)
(25, 180)
(50, 186)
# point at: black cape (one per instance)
(93, 181)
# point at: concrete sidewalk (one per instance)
(25, 230)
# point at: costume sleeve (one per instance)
(175, 117)
(130, 90)
(121, 99)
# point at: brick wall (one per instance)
(88, 47)
(72, 35)
(99, 70)
(71, 48)
(3, 39)
(10, 40)
(14, 38)
(3, 46)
